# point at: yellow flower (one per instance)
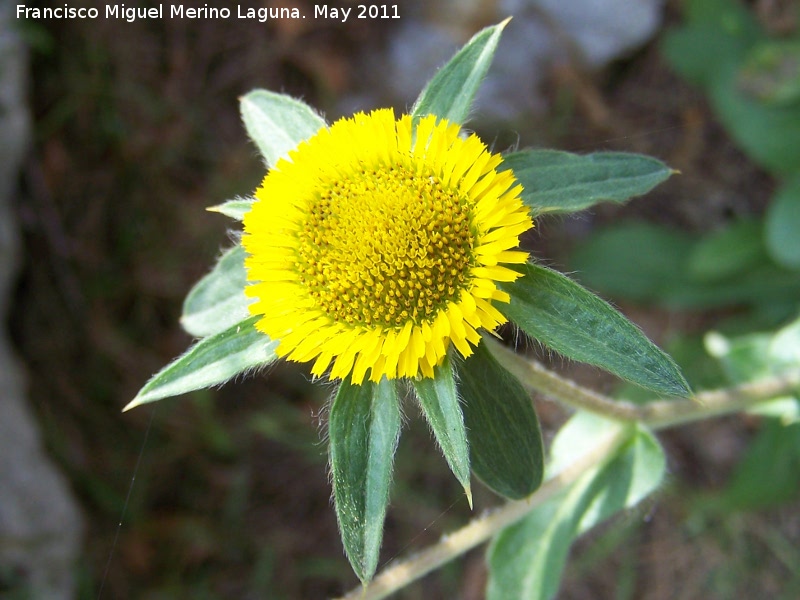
(376, 244)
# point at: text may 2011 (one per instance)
(180, 11)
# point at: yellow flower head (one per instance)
(376, 244)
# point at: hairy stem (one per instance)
(656, 415)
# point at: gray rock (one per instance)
(40, 524)
(541, 34)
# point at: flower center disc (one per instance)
(385, 246)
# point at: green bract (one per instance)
(526, 559)
(480, 414)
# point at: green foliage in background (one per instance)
(752, 82)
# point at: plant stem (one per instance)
(482, 528)
(659, 414)
(656, 415)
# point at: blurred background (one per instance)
(120, 134)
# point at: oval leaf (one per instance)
(571, 320)
(560, 182)
(783, 224)
(363, 430)
(504, 438)
(526, 560)
(648, 263)
(450, 93)
(639, 261)
(211, 361)
(218, 301)
(277, 123)
(728, 252)
(768, 474)
(439, 401)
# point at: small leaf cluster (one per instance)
(479, 413)
(769, 472)
(752, 80)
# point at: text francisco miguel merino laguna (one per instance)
(179, 11)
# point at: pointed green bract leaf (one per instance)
(439, 401)
(211, 361)
(505, 442)
(526, 560)
(560, 182)
(364, 427)
(217, 301)
(450, 93)
(571, 320)
(235, 209)
(277, 123)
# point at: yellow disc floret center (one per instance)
(386, 246)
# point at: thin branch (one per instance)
(714, 403)
(536, 377)
(656, 415)
(481, 529)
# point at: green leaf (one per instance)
(770, 135)
(450, 93)
(364, 427)
(504, 438)
(526, 560)
(719, 33)
(786, 410)
(716, 51)
(211, 361)
(634, 260)
(728, 252)
(754, 356)
(783, 224)
(784, 349)
(771, 72)
(648, 263)
(632, 476)
(217, 301)
(277, 123)
(235, 209)
(571, 320)
(769, 473)
(560, 182)
(743, 358)
(578, 438)
(439, 401)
